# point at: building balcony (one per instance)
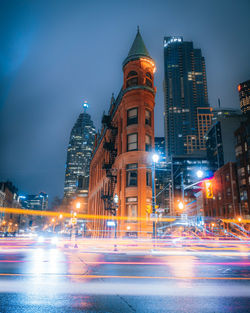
(109, 146)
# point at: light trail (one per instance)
(125, 276)
(82, 216)
(131, 263)
(101, 217)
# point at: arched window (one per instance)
(149, 79)
(132, 79)
(132, 73)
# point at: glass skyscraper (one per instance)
(79, 152)
(244, 93)
(187, 115)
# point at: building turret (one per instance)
(121, 163)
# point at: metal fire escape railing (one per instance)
(111, 173)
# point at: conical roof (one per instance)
(137, 50)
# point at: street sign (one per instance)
(73, 220)
(111, 223)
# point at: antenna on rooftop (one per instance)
(85, 106)
(219, 102)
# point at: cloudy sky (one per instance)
(56, 54)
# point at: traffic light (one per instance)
(149, 209)
(209, 189)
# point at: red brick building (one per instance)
(225, 200)
(121, 159)
(242, 151)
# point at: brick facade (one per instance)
(225, 201)
(121, 162)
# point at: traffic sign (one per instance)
(73, 220)
(111, 223)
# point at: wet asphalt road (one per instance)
(49, 279)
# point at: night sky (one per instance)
(56, 54)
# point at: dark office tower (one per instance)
(187, 114)
(244, 93)
(162, 176)
(220, 140)
(79, 154)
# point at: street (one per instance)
(190, 278)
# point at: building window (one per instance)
(148, 143)
(132, 140)
(243, 182)
(148, 178)
(243, 195)
(132, 116)
(131, 170)
(131, 208)
(149, 79)
(132, 79)
(241, 172)
(238, 150)
(148, 117)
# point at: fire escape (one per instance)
(111, 173)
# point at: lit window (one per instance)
(131, 170)
(148, 117)
(132, 79)
(132, 140)
(149, 79)
(132, 116)
(148, 143)
(131, 208)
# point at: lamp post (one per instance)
(53, 221)
(116, 199)
(155, 159)
(61, 221)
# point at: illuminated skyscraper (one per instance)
(79, 154)
(244, 93)
(187, 115)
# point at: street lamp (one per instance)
(199, 173)
(181, 205)
(155, 159)
(53, 221)
(78, 205)
(60, 218)
(116, 200)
